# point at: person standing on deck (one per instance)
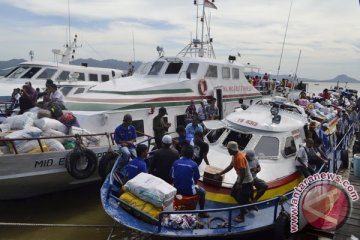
(201, 111)
(137, 165)
(242, 188)
(192, 128)
(185, 174)
(201, 149)
(160, 126)
(190, 112)
(164, 159)
(324, 137)
(212, 111)
(125, 137)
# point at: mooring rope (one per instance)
(58, 225)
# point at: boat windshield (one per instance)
(267, 147)
(214, 135)
(18, 72)
(47, 73)
(242, 139)
(156, 67)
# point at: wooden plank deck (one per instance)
(351, 229)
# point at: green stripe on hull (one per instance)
(162, 91)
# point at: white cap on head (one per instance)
(167, 139)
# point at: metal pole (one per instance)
(297, 65)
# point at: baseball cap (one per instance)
(232, 146)
(167, 139)
(326, 125)
(163, 110)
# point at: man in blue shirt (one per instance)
(185, 173)
(192, 128)
(138, 164)
(125, 136)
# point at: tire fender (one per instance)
(106, 163)
(75, 158)
(282, 226)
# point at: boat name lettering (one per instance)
(236, 88)
(249, 122)
(62, 161)
(44, 163)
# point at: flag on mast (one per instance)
(209, 4)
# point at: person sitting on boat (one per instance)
(56, 96)
(185, 174)
(190, 112)
(32, 93)
(164, 159)
(201, 149)
(160, 126)
(259, 184)
(15, 96)
(325, 94)
(25, 101)
(125, 137)
(243, 187)
(302, 95)
(138, 164)
(201, 111)
(315, 158)
(212, 111)
(324, 137)
(311, 132)
(302, 159)
(192, 128)
(242, 105)
(180, 130)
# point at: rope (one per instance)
(57, 225)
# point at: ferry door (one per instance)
(219, 101)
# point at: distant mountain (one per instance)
(340, 78)
(7, 66)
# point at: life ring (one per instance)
(106, 163)
(202, 87)
(79, 157)
(282, 226)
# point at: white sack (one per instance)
(49, 123)
(19, 121)
(53, 145)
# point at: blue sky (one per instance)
(327, 32)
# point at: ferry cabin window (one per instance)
(211, 71)
(192, 68)
(236, 73)
(104, 78)
(267, 146)
(79, 90)
(81, 77)
(174, 68)
(47, 73)
(18, 72)
(242, 139)
(31, 72)
(155, 68)
(64, 75)
(225, 73)
(290, 147)
(93, 77)
(65, 90)
(214, 135)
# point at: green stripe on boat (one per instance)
(162, 91)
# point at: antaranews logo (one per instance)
(323, 200)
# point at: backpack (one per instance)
(56, 111)
(68, 119)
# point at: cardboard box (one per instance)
(209, 176)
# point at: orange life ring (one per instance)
(202, 86)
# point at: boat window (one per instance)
(64, 75)
(155, 68)
(211, 71)
(18, 72)
(47, 73)
(31, 72)
(236, 73)
(139, 126)
(79, 90)
(65, 90)
(192, 68)
(242, 139)
(215, 134)
(104, 78)
(225, 73)
(93, 77)
(81, 77)
(174, 68)
(267, 146)
(290, 147)
(143, 68)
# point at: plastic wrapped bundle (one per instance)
(19, 122)
(31, 132)
(53, 145)
(49, 123)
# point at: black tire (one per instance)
(72, 159)
(282, 227)
(106, 163)
(345, 158)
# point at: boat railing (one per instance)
(12, 141)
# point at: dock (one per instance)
(351, 229)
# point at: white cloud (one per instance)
(327, 32)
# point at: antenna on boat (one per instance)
(203, 46)
(69, 21)
(31, 54)
(282, 49)
(297, 65)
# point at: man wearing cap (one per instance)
(259, 184)
(164, 159)
(185, 173)
(160, 126)
(125, 137)
(242, 188)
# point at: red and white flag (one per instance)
(209, 4)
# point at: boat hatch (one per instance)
(214, 124)
(242, 139)
(267, 147)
